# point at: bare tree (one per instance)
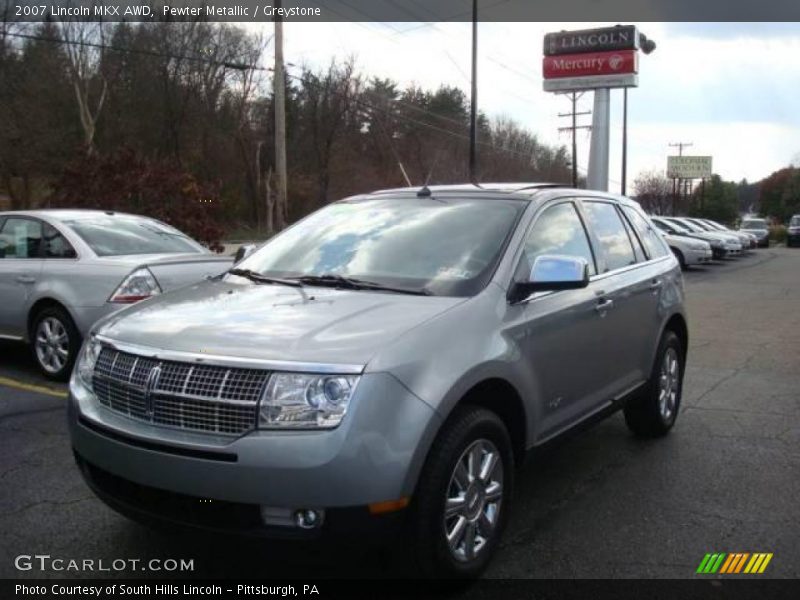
(328, 99)
(250, 79)
(85, 47)
(654, 192)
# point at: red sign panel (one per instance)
(590, 63)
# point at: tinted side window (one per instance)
(20, 238)
(638, 249)
(55, 245)
(558, 230)
(611, 232)
(652, 241)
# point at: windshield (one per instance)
(448, 247)
(701, 225)
(679, 226)
(754, 224)
(795, 222)
(118, 236)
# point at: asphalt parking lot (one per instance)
(602, 504)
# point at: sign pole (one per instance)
(597, 178)
(624, 140)
(473, 108)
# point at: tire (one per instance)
(649, 415)
(55, 343)
(469, 429)
(681, 260)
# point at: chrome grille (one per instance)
(195, 397)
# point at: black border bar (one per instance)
(398, 11)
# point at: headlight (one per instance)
(304, 400)
(137, 286)
(87, 360)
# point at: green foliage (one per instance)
(780, 194)
(717, 200)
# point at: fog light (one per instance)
(307, 518)
(304, 518)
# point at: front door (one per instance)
(20, 269)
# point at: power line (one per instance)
(153, 53)
(414, 121)
(574, 114)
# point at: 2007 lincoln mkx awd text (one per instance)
(391, 356)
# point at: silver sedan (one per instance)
(62, 270)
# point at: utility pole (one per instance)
(624, 141)
(597, 178)
(473, 109)
(574, 97)
(279, 90)
(677, 183)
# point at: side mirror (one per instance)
(243, 252)
(551, 274)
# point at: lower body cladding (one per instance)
(269, 483)
(793, 239)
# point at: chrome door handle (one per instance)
(26, 279)
(603, 305)
(655, 284)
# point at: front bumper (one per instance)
(698, 257)
(793, 238)
(719, 253)
(374, 456)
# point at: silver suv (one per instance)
(390, 358)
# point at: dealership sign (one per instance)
(688, 167)
(590, 63)
(591, 59)
(592, 40)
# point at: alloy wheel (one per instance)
(52, 344)
(669, 384)
(474, 499)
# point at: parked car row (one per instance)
(699, 241)
(62, 270)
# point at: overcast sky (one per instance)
(731, 89)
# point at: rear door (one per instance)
(20, 270)
(626, 300)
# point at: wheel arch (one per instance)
(40, 305)
(677, 324)
(498, 395)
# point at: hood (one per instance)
(707, 236)
(687, 240)
(274, 322)
(173, 271)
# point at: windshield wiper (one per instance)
(259, 278)
(351, 283)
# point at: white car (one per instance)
(688, 251)
(732, 243)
